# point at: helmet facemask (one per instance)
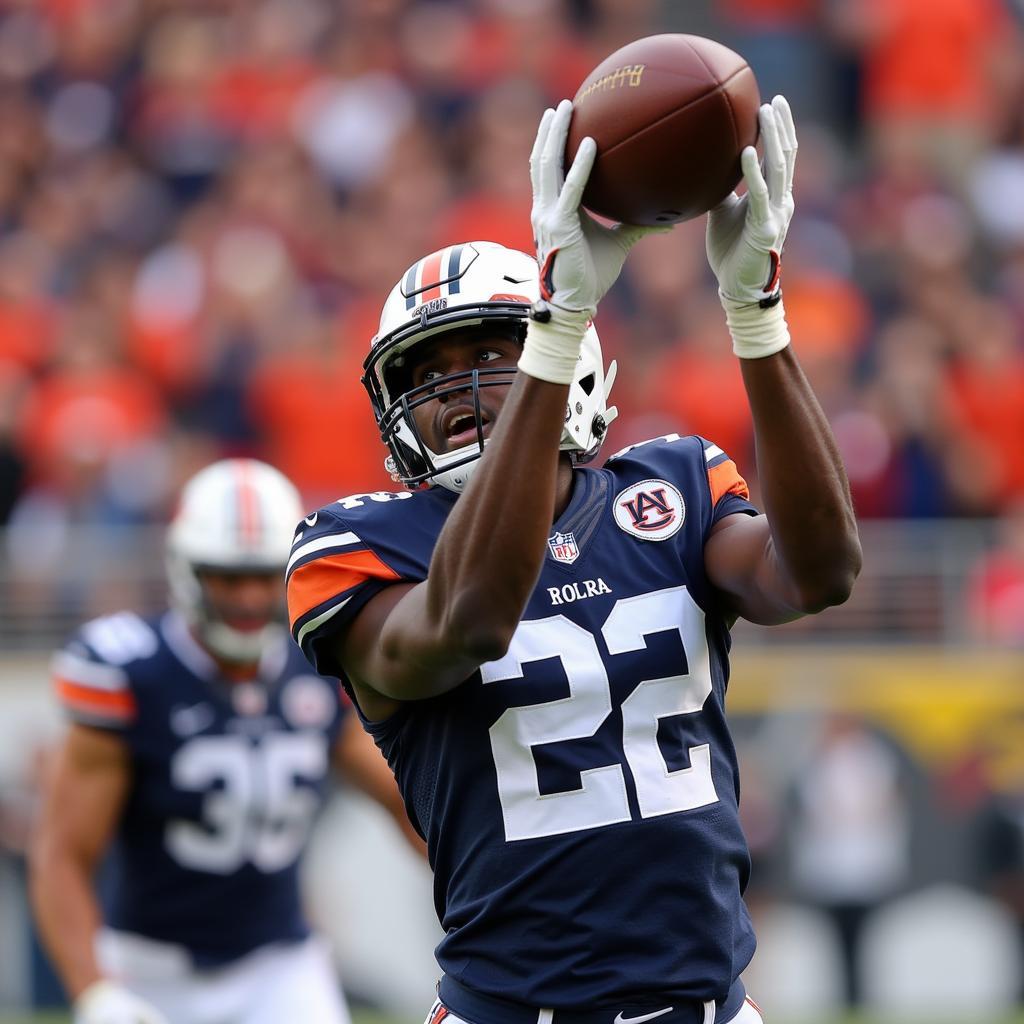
(236, 517)
(414, 461)
(505, 283)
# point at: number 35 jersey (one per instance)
(579, 796)
(226, 780)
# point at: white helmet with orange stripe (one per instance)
(457, 287)
(234, 517)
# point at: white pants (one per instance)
(749, 1014)
(271, 985)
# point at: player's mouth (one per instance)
(245, 623)
(458, 426)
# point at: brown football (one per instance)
(670, 115)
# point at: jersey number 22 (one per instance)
(602, 798)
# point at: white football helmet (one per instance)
(459, 286)
(237, 515)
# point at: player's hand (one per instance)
(579, 258)
(106, 1002)
(745, 234)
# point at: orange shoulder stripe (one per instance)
(100, 702)
(725, 479)
(323, 578)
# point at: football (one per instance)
(670, 115)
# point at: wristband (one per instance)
(757, 331)
(551, 350)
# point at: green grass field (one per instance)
(367, 1017)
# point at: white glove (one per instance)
(745, 238)
(106, 1002)
(579, 258)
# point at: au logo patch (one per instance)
(563, 548)
(650, 510)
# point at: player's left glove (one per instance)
(579, 258)
(106, 1002)
(745, 236)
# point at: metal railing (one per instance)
(913, 588)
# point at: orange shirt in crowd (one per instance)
(930, 57)
(26, 333)
(528, 44)
(89, 415)
(988, 403)
(828, 315)
(260, 100)
(484, 216)
(317, 425)
(701, 391)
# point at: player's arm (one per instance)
(804, 554)
(412, 642)
(359, 761)
(84, 797)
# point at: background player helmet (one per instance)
(461, 286)
(237, 515)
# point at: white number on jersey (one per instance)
(356, 500)
(254, 809)
(601, 798)
(120, 638)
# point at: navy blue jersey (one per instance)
(579, 796)
(226, 779)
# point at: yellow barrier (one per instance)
(943, 704)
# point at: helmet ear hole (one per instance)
(397, 376)
(587, 383)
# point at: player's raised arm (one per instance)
(804, 554)
(417, 641)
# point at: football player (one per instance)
(197, 757)
(540, 648)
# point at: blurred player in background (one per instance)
(197, 758)
(551, 697)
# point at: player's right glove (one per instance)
(579, 258)
(106, 1002)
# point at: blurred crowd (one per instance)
(204, 203)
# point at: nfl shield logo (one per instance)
(563, 548)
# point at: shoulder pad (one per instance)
(694, 459)
(723, 475)
(350, 549)
(90, 675)
(668, 450)
(330, 561)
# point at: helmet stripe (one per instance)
(454, 260)
(431, 279)
(248, 503)
(409, 285)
